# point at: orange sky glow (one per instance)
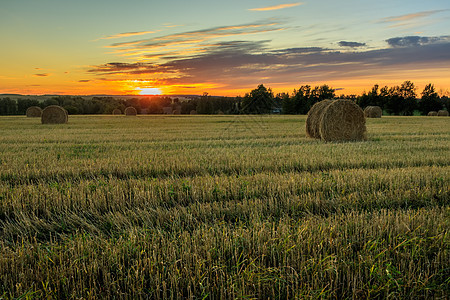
(226, 50)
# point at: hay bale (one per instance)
(116, 111)
(193, 112)
(432, 113)
(373, 112)
(342, 120)
(54, 114)
(442, 113)
(312, 121)
(34, 112)
(130, 111)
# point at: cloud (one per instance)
(41, 74)
(198, 36)
(409, 20)
(414, 41)
(351, 44)
(276, 7)
(125, 34)
(84, 80)
(239, 64)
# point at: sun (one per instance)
(149, 91)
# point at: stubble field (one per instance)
(223, 207)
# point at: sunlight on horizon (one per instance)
(149, 91)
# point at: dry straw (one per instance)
(34, 112)
(432, 113)
(342, 120)
(373, 112)
(130, 111)
(442, 113)
(116, 111)
(54, 114)
(312, 121)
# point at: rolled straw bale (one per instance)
(442, 113)
(34, 112)
(116, 111)
(312, 121)
(373, 112)
(193, 112)
(54, 114)
(342, 120)
(130, 111)
(432, 113)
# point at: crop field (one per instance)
(223, 207)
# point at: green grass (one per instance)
(223, 207)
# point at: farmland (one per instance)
(223, 207)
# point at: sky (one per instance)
(222, 48)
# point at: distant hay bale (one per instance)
(34, 112)
(342, 120)
(130, 111)
(116, 111)
(167, 110)
(432, 113)
(219, 112)
(54, 114)
(373, 112)
(442, 113)
(193, 112)
(312, 121)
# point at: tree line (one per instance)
(396, 100)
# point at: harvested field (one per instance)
(165, 207)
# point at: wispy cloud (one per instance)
(242, 64)
(276, 7)
(189, 42)
(414, 41)
(125, 34)
(409, 20)
(351, 44)
(42, 74)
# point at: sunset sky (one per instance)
(223, 48)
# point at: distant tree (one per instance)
(24, 104)
(258, 101)
(400, 100)
(430, 100)
(8, 106)
(372, 98)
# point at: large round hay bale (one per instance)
(54, 114)
(442, 113)
(342, 120)
(34, 112)
(373, 112)
(130, 111)
(116, 111)
(312, 121)
(193, 112)
(432, 113)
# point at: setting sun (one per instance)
(149, 91)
